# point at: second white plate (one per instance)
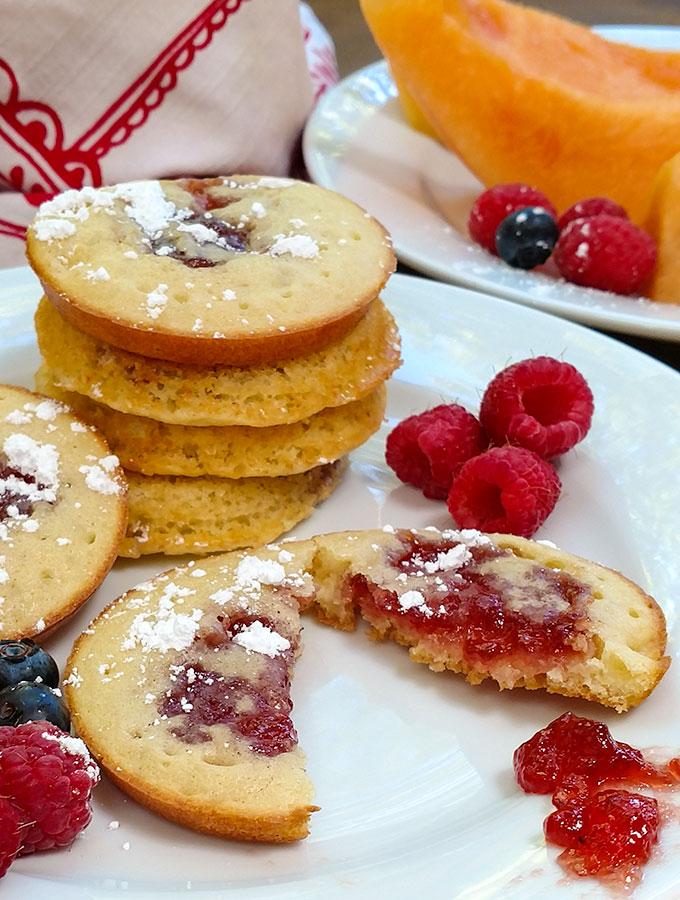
(357, 142)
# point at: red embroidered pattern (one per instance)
(133, 107)
(322, 66)
(35, 132)
(11, 229)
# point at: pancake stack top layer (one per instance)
(237, 271)
(186, 317)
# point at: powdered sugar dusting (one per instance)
(98, 476)
(74, 204)
(251, 573)
(271, 181)
(148, 206)
(99, 274)
(75, 747)
(156, 301)
(258, 638)
(414, 600)
(53, 229)
(164, 629)
(470, 537)
(46, 410)
(17, 417)
(39, 461)
(301, 245)
(56, 217)
(252, 570)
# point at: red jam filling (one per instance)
(231, 237)
(10, 498)
(204, 196)
(604, 832)
(476, 610)
(234, 238)
(257, 711)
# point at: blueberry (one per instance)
(526, 237)
(27, 702)
(24, 660)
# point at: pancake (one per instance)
(62, 512)
(229, 451)
(260, 396)
(180, 688)
(241, 270)
(174, 515)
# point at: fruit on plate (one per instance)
(526, 238)
(429, 448)
(23, 660)
(47, 780)
(541, 403)
(532, 411)
(606, 252)
(413, 113)
(594, 242)
(504, 489)
(495, 204)
(30, 701)
(580, 115)
(663, 223)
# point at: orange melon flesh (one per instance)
(413, 114)
(522, 95)
(663, 223)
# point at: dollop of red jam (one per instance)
(257, 711)
(479, 611)
(608, 832)
(13, 498)
(573, 748)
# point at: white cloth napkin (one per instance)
(100, 93)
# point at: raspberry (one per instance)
(428, 449)
(506, 489)
(10, 837)
(48, 776)
(492, 206)
(592, 206)
(605, 252)
(541, 404)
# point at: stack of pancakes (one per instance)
(227, 338)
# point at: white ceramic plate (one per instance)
(358, 143)
(413, 769)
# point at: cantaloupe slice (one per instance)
(412, 112)
(522, 95)
(663, 223)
